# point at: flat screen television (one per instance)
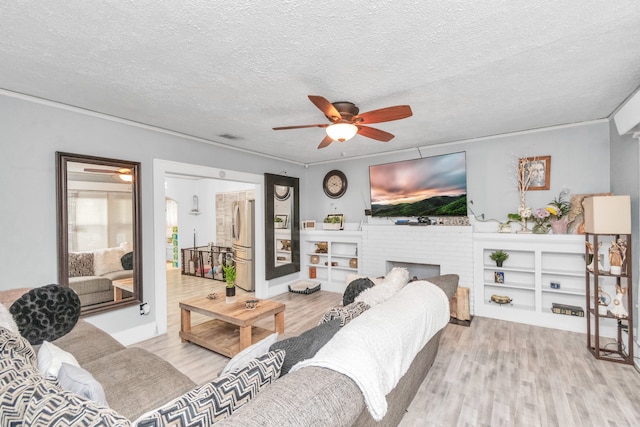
(425, 187)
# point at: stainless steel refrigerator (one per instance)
(242, 228)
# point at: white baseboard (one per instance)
(137, 334)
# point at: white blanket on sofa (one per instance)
(377, 348)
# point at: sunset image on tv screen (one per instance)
(431, 186)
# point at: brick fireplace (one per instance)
(423, 248)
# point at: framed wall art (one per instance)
(309, 224)
(536, 172)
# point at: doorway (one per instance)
(164, 168)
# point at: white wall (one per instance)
(579, 160)
(32, 131)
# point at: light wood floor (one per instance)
(201, 365)
(494, 373)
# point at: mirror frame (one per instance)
(62, 159)
(271, 271)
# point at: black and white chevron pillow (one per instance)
(25, 395)
(216, 400)
(345, 314)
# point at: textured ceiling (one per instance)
(468, 69)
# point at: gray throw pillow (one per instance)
(354, 288)
(306, 345)
(81, 382)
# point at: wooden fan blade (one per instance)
(301, 127)
(326, 107)
(384, 115)
(374, 133)
(325, 142)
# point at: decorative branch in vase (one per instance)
(524, 182)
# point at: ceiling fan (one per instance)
(346, 122)
(123, 173)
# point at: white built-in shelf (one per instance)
(343, 246)
(534, 262)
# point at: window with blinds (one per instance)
(99, 219)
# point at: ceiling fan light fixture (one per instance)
(342, 131)
(125, 177)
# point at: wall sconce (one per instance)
(195, 210)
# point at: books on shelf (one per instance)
(570, 310)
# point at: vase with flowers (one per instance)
(541, 218)
(558, 214)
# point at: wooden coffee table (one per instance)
(121, 285)
(232, 328)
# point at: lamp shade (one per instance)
(607, 215)
(342, 131)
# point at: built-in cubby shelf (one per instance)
(340, 260)
(535, 263)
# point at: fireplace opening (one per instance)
(417, 270)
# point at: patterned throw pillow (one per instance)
(345, 314)
(217, 399)
(6, 319)
(14, 347)
(80, 264)
(27, 395)
(44, 403)
(46, 313)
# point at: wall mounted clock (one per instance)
(334, 184)
(282, 192)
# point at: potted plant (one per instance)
(230, 278)
(332, 222)
(278, 222)
(499, 257)
(559, 214)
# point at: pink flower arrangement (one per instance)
(541, 216)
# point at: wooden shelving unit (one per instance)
(616, 349)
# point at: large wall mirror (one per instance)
(282, 225)
(99, 230)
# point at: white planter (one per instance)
(331, 226)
